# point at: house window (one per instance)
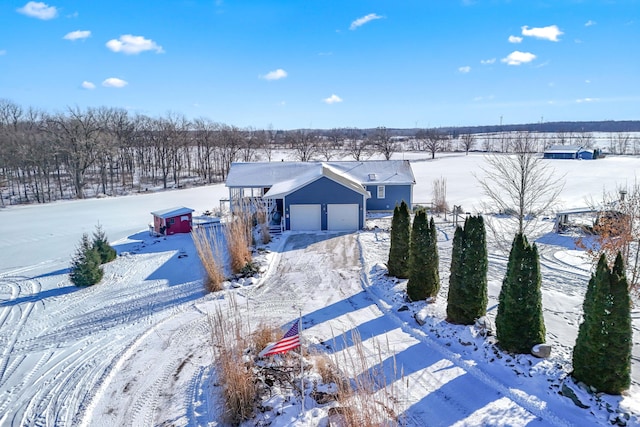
(380, 191)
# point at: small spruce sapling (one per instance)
(85, 265)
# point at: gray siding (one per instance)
(394, 195)
(323, 191)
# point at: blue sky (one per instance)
(324, 64)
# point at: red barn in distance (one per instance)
(172, 221)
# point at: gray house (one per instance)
(320, 195)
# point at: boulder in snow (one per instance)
(541, 350)
(568, 392)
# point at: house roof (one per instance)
(311, 174)
(564, 149)
(172, 212)
(371, 172)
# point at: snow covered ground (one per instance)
(134, 350)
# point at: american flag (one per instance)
(289, 341)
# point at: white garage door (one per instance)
(304, 217)
(343, 217)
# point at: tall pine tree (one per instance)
(398, 264)
(431, 268)
(418, 257)
(519, 322)
(467, 298)
(602, 354)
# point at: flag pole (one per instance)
(301, 364)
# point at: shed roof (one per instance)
(172, 212)
(371, 172)
(563, 149)
(317, 171)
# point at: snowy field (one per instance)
(133, 350)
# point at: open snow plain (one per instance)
(133, 350)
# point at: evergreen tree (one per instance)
(398, 264)
(418, 257)
(456, 295)
(589, 353)
(602, 354)
(101, 244)
(467, 299)
(85, 265)
(431, 268)
(519, 322)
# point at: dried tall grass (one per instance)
(235, 373)
(367, 399)
(207, 247)
(237, 233)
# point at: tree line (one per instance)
(84, 152)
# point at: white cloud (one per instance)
(515, 39)
(132, 45)
(587, 81)
(40, 10)
(464, 69)
(361, 21)
(77, 35)
(114, 82)
(88, 85)
(581, 100)
(589, 23)
(275, 75)
(547, 33)
(3, 52)
(516, 58)
(488, 61)
(333, 99)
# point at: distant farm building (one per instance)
(172, 221)
(569, 152)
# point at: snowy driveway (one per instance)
(323, 275)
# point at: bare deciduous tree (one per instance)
(78, 133)
(382, 141)
(434, 140)
(304, 143)
(356, 146)
(468, 141)
(619, 142)
(520, 185)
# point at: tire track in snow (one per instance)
(530, 403)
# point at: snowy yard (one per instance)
(134, 349)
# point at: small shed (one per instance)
(172, 221)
